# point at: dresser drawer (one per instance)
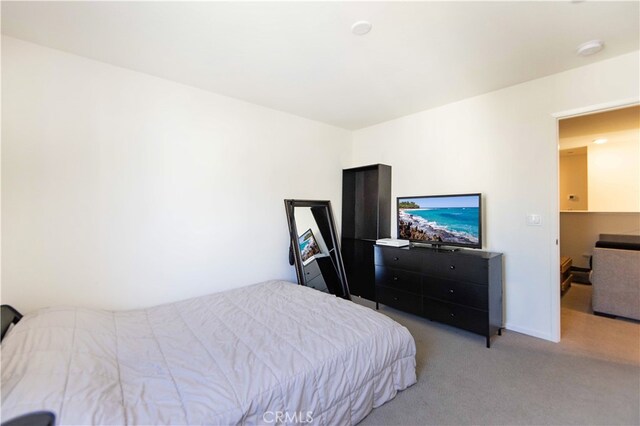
(318, 283)
(311, 270)
(470, 319)
(400, 258)
(398, 279)
(399, 299)
(462, 293)
(465, 268)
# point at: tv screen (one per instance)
(308, 246)
(452, 220)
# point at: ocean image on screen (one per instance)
(453, 220)
(308, 245)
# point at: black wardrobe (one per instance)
(366, 217)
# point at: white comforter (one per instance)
(255, 355)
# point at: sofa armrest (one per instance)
(616, 282)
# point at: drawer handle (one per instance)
(395, 298)
(396, 258)
(452, 267)
(452, 314)
(451, 290)
(395, 278)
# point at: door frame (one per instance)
(555, 244)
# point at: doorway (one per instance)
(599, 193)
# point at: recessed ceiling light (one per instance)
(590, 47)
(600, 141)
(361, 27)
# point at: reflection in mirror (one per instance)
(313, 247)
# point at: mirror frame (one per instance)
(294, 247)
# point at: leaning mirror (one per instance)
(314, 248)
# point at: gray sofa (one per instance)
(615, 276)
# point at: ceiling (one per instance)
(300, 57)
(619, 125)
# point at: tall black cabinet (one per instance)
(366, 217)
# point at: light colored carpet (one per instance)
(591, 377)
(578, 298)
(588, 335)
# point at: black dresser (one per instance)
(461, 288)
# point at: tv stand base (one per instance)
(435, 247)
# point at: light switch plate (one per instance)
(534, 219)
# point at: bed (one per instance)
(273, 352)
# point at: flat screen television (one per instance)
(441, 220)
(308, 246)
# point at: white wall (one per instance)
(573, 181)
(579, 232)
(122, 190)
(503, 144)
(614, 176)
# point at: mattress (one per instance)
(273, 352)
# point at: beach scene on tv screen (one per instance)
(452, 220)
(308, 246)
